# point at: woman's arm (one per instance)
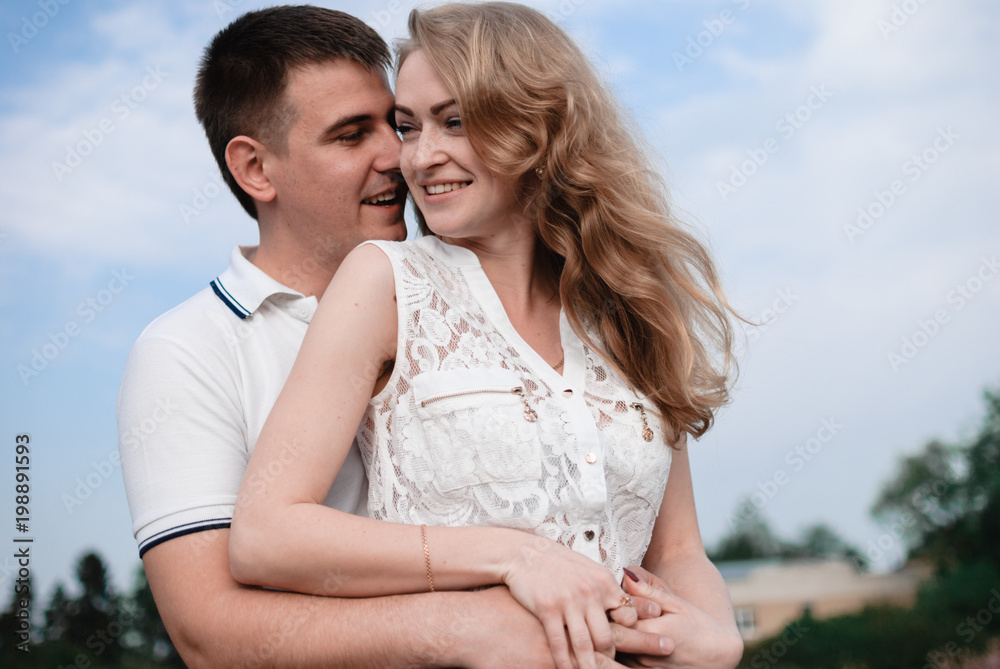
(283, 536)
(697, 610)
(676, 553)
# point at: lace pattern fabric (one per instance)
(447, 441)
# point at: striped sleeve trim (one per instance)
(182, 530)
(228, 299)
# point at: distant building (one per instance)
(769, 594)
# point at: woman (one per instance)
(533, 366)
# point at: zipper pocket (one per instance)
(529, 413)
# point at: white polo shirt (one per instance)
(199, 383)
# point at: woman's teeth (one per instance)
(445, 188)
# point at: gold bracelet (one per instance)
(427, 556)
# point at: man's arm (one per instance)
(216, 622)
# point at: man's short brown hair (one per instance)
(241, 82)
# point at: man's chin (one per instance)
(394, 232)
(397, 232)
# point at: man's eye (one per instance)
(352, 137)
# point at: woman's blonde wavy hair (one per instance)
(530, 99)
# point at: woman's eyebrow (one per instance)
(435, 110)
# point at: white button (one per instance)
(567, 393)
(591, 458)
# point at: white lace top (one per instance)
(450, 440)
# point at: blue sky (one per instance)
(787, 118)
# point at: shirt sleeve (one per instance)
(182, 436)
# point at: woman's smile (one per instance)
(438, 189)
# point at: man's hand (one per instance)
(523, 641)
(700, 641)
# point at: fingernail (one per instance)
(632, 576)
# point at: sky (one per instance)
(837, 155)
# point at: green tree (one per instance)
(57, 615)
(822, 541)
(947, 497)
(98, 629)
(88, 623)
(753, 539)
(10, 623)
(983, 484)
(750, 539)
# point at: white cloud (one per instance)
(786, 227)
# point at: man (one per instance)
(296, 108)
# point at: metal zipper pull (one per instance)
(529, 413)
(647, 434)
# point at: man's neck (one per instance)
(307, 272)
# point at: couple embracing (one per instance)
(467, 449)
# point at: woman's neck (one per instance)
(515, 265)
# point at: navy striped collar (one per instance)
(243, 287)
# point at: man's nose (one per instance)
(388, 150)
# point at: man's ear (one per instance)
(245, 158)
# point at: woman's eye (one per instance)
(454, 123)
(404, 128)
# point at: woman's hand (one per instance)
(701, 642)
(571, 596)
